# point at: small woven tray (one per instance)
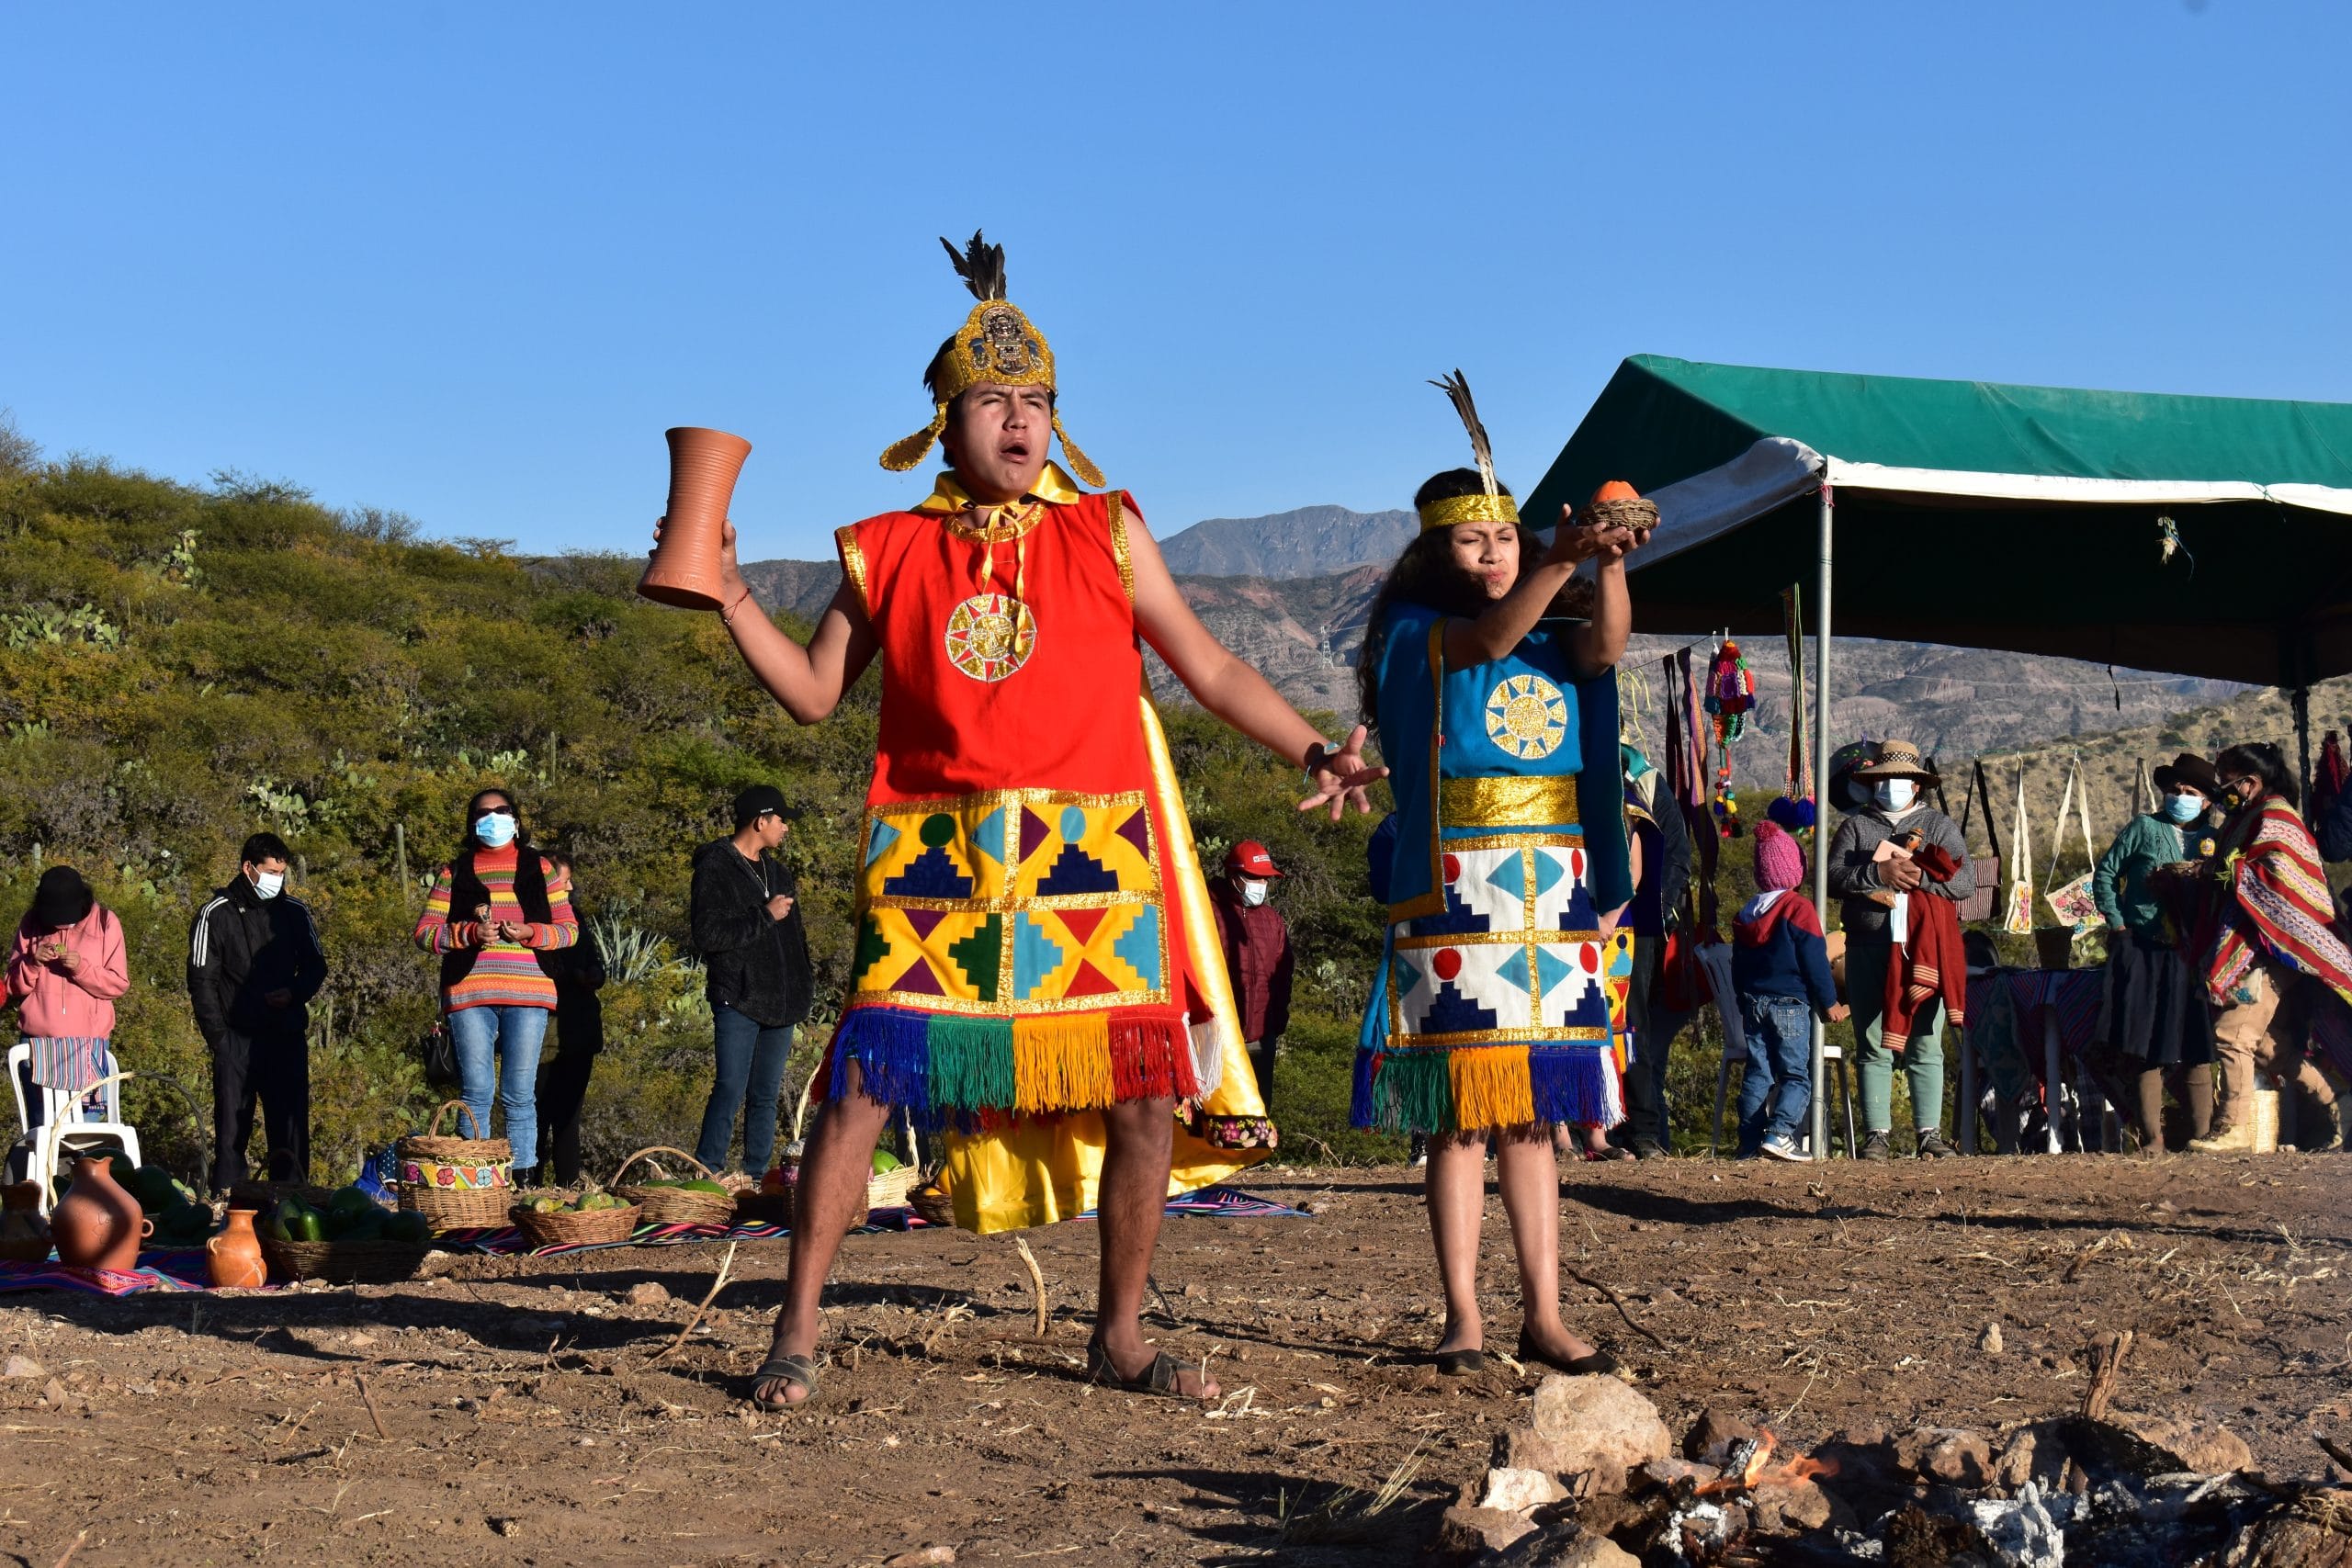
(669, 1205)
(935, 1207)
(344, 1262)
(1640, 514)
(573, 1228)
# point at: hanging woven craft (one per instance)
(1793, 810)
(1731, 698)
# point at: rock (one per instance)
(1789, 1507)
(2207, 1448)
(506, 1525)
(1566, 1545)
(1465, 1532)
(1596, 1424)
(1666, 1472)
(924, 1557)
(647, 1293)
(1712, 1436)
(1953, 1455)
(1989, 1342)
(2013, 1466)
(1519, 1448)
(23, 1367)
(2312, 1532)
(1518, 1491)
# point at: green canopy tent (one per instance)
(2030, 519)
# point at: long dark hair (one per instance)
(1425, 574)
(466, 842)
(2263, 759)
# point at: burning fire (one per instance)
(1750, 1466)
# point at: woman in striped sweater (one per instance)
(495, 911)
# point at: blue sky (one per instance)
(469, 261)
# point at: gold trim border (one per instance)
(853, 566)
(1511, 800)
(1119, 546)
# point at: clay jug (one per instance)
(703, 467)
(233, 1258)
(96, 1224)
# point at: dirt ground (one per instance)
(528, 1416)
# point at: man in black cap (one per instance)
(746, 924)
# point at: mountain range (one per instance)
(1288, 594)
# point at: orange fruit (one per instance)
(1615, 489)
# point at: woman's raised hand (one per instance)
(1343, 777)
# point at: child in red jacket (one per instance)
(1780, 968)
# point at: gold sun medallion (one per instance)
(1527, 717)
(990, 636)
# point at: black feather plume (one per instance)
(979, 265)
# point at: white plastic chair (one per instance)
(63, 1121)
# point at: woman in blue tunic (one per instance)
(1489, 1015)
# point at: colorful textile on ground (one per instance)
(168, 1272)
(1033, 938)
(2273, 901)
(1492, 1004)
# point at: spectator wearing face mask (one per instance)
(253, 963)
(1257, 954)
(2153, 1025)
(496, 914)
(1891, 864)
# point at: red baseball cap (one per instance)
(1250, 857)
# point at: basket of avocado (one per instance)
(594, 1216)
(700, 1200)
(349, 1240)
(891, 1181)
(181, 1219)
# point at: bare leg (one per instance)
(1139, 1137)
(1455, 1188)
(831, 1199)
(1528, 1171)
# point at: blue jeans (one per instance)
(1777, 1089)
(515, 1034)
(750, 1062)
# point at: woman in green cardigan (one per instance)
(2153, 1020)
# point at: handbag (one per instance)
(2073, 902)
(2017, 918)
(440, 1051)
(1986, 869)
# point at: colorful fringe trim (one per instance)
(954, 1072)
(1465, 1089)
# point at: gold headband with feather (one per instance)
(1493, 506)
(996, 343)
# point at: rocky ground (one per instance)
(537, 1412)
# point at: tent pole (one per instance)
(2303, 706)
(1819, 1142)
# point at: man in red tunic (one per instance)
(1034, 970)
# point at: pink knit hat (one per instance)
(1779, 861)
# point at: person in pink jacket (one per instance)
(65, 970)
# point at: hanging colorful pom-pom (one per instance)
(1731, 692)
(1794, 813)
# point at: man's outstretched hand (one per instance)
(1343, 778)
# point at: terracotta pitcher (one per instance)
(96, 1224)
(233, 1258)
(703, 467)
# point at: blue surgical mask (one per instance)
(268, 884)
(1895, 795)
(2182, 808)
(496, 829)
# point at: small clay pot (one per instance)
(233, 1258)
(704, 465)
(97, 1224)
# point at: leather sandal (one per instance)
(797, 1370)
(1159, 1377)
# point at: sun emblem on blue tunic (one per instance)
(1527, 717)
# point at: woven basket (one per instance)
(2265, 1120)
(889, 1189)
(344, 1262)
(457, 1183)
(1639, 513)
(571, 1228)
(668, 1205)
(937, 1207)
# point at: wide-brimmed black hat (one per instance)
(2193, 769)
(60, 900)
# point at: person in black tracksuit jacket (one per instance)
(745, 914)
(253, 963)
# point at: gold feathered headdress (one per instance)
(997, 344)
(1493, 506)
